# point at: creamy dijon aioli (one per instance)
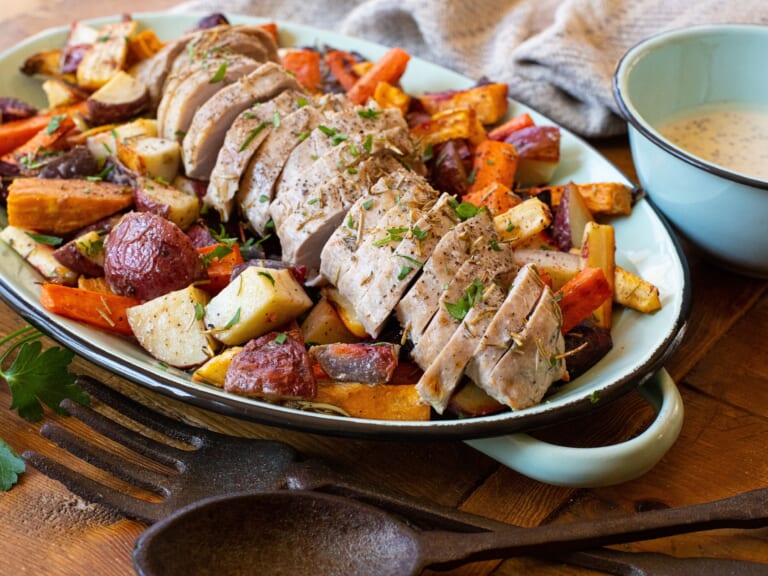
(732, 135)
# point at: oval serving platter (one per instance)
(645, 245)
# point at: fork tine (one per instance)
(107, 461)
(132, 439)
(141, 414)
(93, 491)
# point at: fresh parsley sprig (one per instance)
(35, 377)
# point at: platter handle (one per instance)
(600, 466)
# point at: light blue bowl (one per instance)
(724, 213)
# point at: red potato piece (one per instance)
(275, 365)
(147, 256)
(365, 363)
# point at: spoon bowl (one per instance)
(310, 533)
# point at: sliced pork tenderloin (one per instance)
(188, 91)
(242, 140)
(415, 310)
(154, 70)
(445, 372)
(403, 196)
(535, 360)
(304, 225)
(396, 271)
(257, 185)
(506, 326)
(211, 121)
(484, 266)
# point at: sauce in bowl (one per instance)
(731, 135)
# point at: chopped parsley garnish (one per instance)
(234, 320)
(281, 338)
(471, 296)
(368, 144)
(199, 311)
(419, 234)
(367, 204)
(301, 102)
(369, 113)
(46, 239)
(252, 134)
(268, 276)
(220, 74)
(493, 244)
(472, 175)
(54, 123)
(465, 210)
(219, 252)
(263, 198)
(404, 271)
(276, 119)
(393, 235)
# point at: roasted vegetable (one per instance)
(359, 362)
(571, 217)
(38, 254)
(489, 101)
(146, 256)
(120, 98)
(107, 311)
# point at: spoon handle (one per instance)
(746, 510)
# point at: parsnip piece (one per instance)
(104, 142)
(39, 255)
(179, 207)
(151, 156)
(171, 329)
(633, 292)
(523, 221)
(107, 55)
(598, 249)
(214, 371)
(323, 325)
(257, 301)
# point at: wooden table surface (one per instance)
(721, 369)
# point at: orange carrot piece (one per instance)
(271, 27)
(305, 65)
(14, 135)
(389, 68)
(519, 122)
(341, 63)
(106, 311)
(497, 197)
(220, 268)
(582, 294)
(493, 161)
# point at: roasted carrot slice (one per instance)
(493, 161)
(305, 65)
(19, 132)
(497, 197)
(581, 295)
(389, 68)
(341, 64)
(271, 27)
(106, 311)
(220, 267)
(519, 122)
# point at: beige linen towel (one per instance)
(558, 56)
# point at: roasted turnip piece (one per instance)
(570, 219)
(365, 363)
(14, 109)
(585, 345)
(120, 99)
(147, 256)
(538, 148)
(60, 93)
(274, 366)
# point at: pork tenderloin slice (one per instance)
(154, 71)
(506, 325)
(365, 215)
(444, 373)
(421, 301)
(305, 225)
(470, 282)
(186, 94)
(535, 360)
(210, 122)
(396, 272)
(223, 42)
(379, 229)
(257, 185)
(242, 140)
